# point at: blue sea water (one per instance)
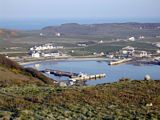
(113, 73)
(39, 23)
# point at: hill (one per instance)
(12, 73)
(122, 100)
(107, 29)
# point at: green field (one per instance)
(27, 39)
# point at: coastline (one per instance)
(81, 58)
(63, 59)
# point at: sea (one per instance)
(90, 67)
(37, 24)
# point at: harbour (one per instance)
(74, 76)
(59, 73)
(93, 67)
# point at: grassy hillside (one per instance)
(12, 73)
(124, 100)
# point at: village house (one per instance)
(158, 44)
(140, 54)
(128, 50)
(114, 55)
(111, 56)
(59, 47)
(41, 34)
(35, 55)
(36, 51)
(48, 46)
(131, 39)
(94, 53)
(101, 41)
(84, 44)
(58, 34)
(55, 53)
(52, 54)
(141, 37)
(99, 54)
(157, 36)
(158, 51)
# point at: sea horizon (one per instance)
(39, 24)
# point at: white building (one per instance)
(101, 41)
(58, 34)
(94, 53)
(131, 39)
(141, 37)
(42, 47)
(110, 56)
(158, 44)
(41, 34)
(158, 51)
(141, 54)
(82, 44)
(35, 55)
(59, 47)
(45, 47)
(127, 50)
(157, 36)
(53, 54)
(102, 53)
(72, 51)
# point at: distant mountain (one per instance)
(113, 30)
(106, 29)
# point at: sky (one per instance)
(13, 12)
(83, 9)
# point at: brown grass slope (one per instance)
(12, 73)
(126, 100)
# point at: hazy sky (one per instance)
(84, 9)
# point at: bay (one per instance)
(113, 73)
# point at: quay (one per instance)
(73, 76)
(59, 73)
(83, 77)
(119, 61)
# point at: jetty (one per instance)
(59, 73)
(116, 62)
(83, 77)
(73, 76)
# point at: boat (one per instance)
(82, 74)
(37, 65)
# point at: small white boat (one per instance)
(82, 75)
(47, 72)
(37, 65)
